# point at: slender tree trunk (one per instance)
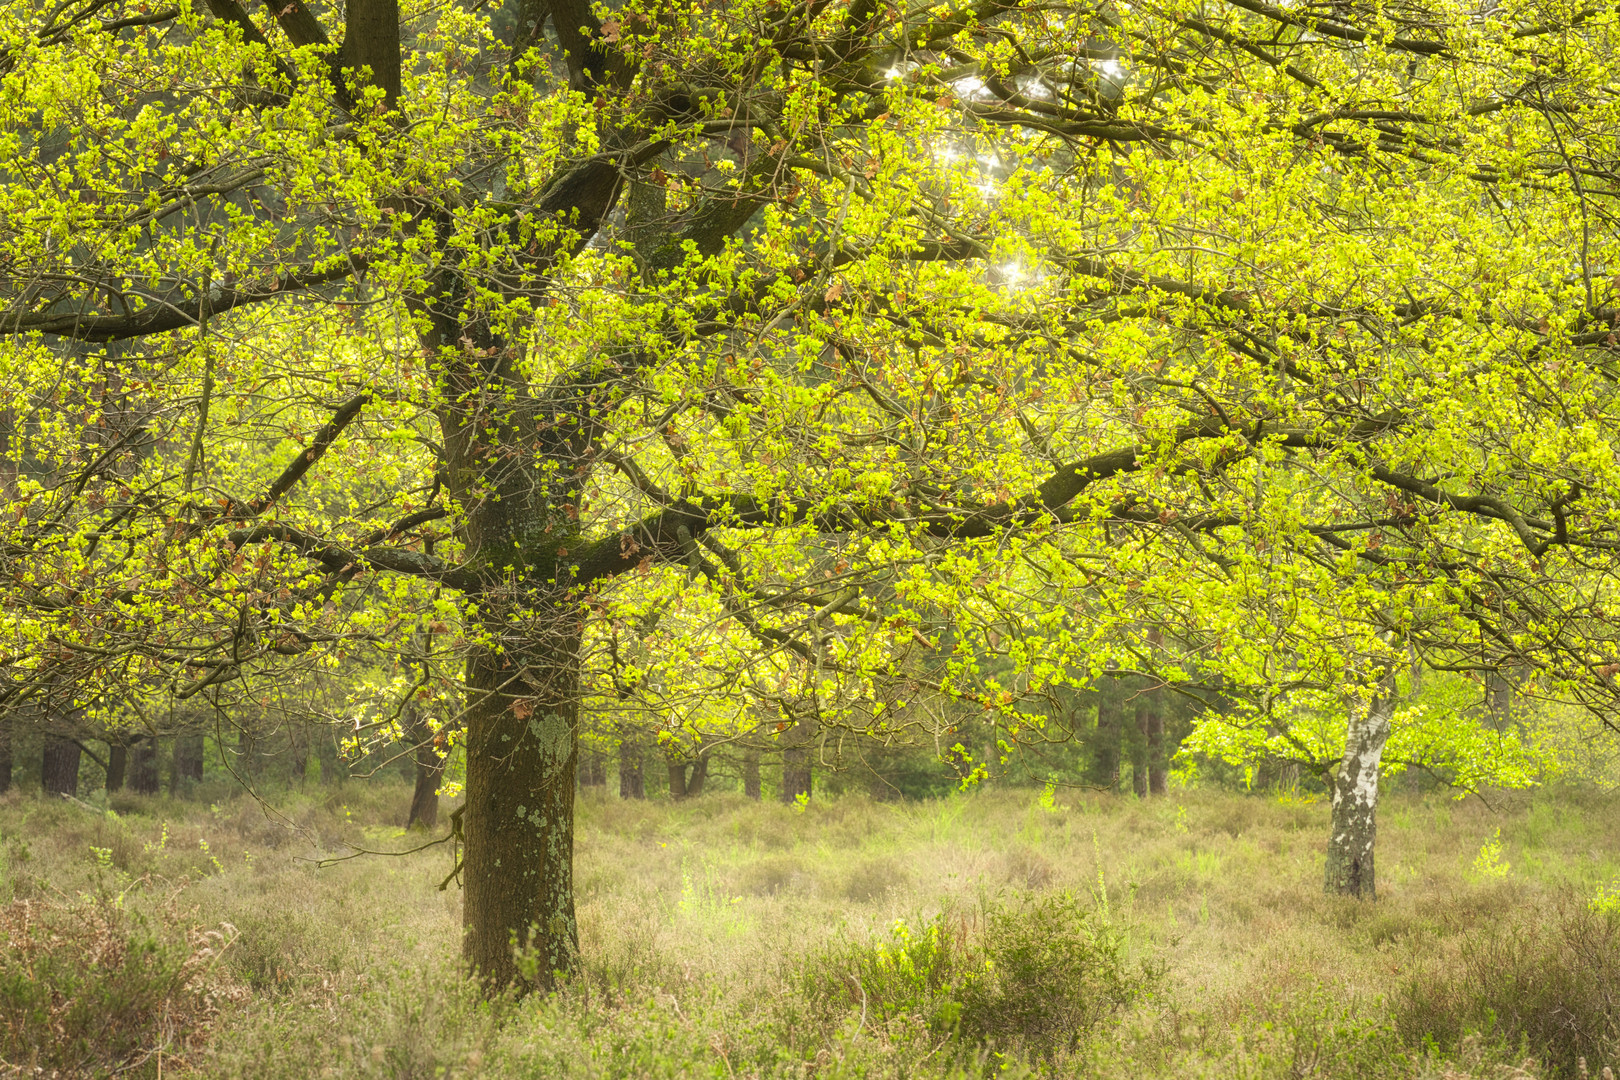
(631, 784)
(299, 734)
(1501, 701)
(1139, 743)
(247, 755)
(522, 742)
(1350, 868)
(5, 752)
(59, 767)
(1157, 762)
(424, 809)
(117, 765)
(1106, 760)
(751, 787)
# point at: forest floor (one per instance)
(993, 932)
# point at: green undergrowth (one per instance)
(995, 934)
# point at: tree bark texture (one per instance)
(698, 776)
(521, 756)
(677, 779)
(631, 783)
(796, 773)
(143, 772)
(424, 809)
(188, 763)
(1350, 866)
(1153, 732)
(247, 755)
(1106, 756)
(117, 765)
(750, 771)
(59, 767)
(1142, 711)
(592, 770)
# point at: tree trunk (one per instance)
(247, 755)
(522, 741)
(1153, 729)
(592, 770)
(143, 772)
(188, 763)
(1139, 744)
(677, 779)
(424, 809)
(751, 787)
(1350, 870)
(1501, 701)
(299, 735)
(117, 765)
(5, 752)
(796, 773)
(59, 768)
(1106, 759)
(700, 773)
(631, 784)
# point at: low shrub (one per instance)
(88, 989)
(1038, 975)
(1052, 974)
(1551, 984)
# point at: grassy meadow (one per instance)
(1003, 932)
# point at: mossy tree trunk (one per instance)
(1350, 863)
(522, 745)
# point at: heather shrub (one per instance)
(1549, 983)
(89, 988)
(1053, 973)
(1036, 975)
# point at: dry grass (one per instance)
(698, 921)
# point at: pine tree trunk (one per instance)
(631, 784)
(143, 772)
(1106, 760)
(1350, 868)
(59, 766)
(519, 818)
(1157, 762)
(751, 786)
(1139, 745)
(117, 765)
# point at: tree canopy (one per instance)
(831, 357)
